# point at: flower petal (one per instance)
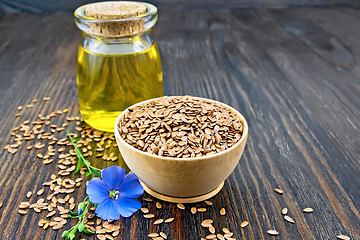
(127, 206)
(97, 190)
(108, 209)
(113, 176)
(130, 187)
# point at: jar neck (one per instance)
(125, 45)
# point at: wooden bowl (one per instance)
(182, 179)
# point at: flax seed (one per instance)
(40, 192)
(289, 219)
(193, 210)
(181, 206)
(308, 210)
(279, 191)
(144, 210)
(159, 221)
(211, 236)
(244, 224)
(222, 211)
(343, 237)
(273, 232)
(22, 212)
(28, 195)
(152, 235)
(169, 220)
(201, 209)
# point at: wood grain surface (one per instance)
(294, 74)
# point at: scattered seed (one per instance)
(101, 237)
(148, 199)
(205, 224)
(149, 215)
(46, 225)
(211, 236)
(159, 221)
(181, 206)
(225, 230)
(158, 205)
(279, 191)
(57, 227)
(152, 235)
(163, 235)
(52, 213)
(201, 209)
(22, 212)
(208, 221)
(109, 237)
(222, 211)
(158, 238)
(273, 232)
(115, 233)
(244, 224)
(284, 211)
(46, 99)
(343, 237)
(144, 210)
(308, 210)
(208, 203)
(220, 236)
(168, 220)
(40, 192)
(212, 229)
(289, 219)
(19, 108)
(193, 210)
(28, 195)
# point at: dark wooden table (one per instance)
(294, 74)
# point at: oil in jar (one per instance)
(109, 83)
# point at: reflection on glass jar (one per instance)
(117, 67)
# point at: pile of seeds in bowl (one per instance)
(181, 126)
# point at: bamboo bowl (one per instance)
(182, 180)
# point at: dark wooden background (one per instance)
(294, 74)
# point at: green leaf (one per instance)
(88, 232)
(78, 153)
(87, 174)
(81, 227)
(96, 173)
(71, 236)
(80, 161)
(65, 234)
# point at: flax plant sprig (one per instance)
(80, 226)
(92, 170)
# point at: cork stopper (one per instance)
(113, 11)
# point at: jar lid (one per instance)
(115, 19)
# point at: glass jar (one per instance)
(118, 65)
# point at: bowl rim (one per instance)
(242, 139)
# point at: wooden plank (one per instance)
(294, 74)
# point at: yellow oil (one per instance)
(108, 84)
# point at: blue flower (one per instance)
(115, 193)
